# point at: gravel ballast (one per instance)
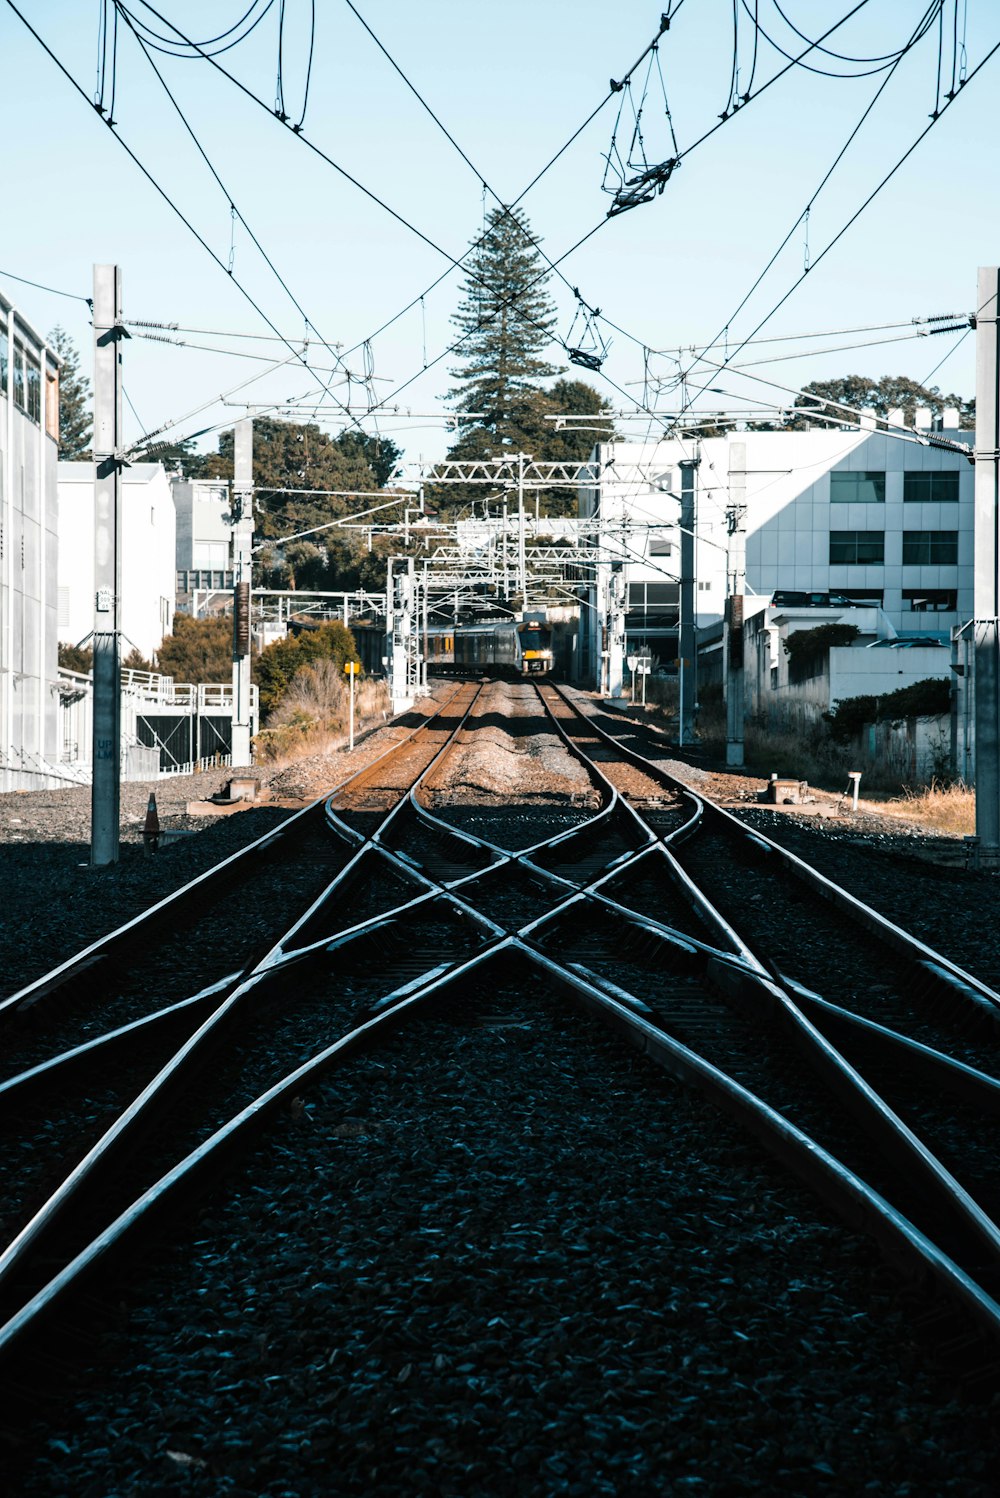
(501, 1254)
(509, 1257)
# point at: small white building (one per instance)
(148, 548)
(29, 435)
(789, 688)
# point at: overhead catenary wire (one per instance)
(552, 264)
(158, 188)
(222, 186)
(858, 212)
(817, 190)
(8, 275)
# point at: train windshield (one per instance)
(534, 639)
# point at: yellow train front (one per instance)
(509, 647)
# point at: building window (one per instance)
(33, 388)
(857, 488)
(658, 547)
(930, 548)
(704, 587)
(930, 600)
(649, 597)
(4, 362)
(857, 548)
(18, 375)
(936, 487)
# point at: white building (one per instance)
(204, 541)
(29, 434)
(148, 547)
(847, 511)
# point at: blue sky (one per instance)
(512, 84)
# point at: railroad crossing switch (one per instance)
(786, 792)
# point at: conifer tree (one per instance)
(75, 419)
(507, 319)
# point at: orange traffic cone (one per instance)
(151, 828)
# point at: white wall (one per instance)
(789, 516)
(148, 551)
(28, 664)
(203, 527)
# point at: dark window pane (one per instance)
(930, 548)
(937, 487)
(857, 548)
(863, 487)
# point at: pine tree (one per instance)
(507, 317)
(75, 420)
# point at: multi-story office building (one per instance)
(29, 435)
(204, 537)
(850, 511)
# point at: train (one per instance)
(505, 647)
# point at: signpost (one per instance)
(644, 666)
(352, 668)
(631, 662)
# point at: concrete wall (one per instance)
(148, 549)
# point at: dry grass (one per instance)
(947, 809)
(314, 714)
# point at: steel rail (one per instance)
(167, 909)
(853, 1198)
(898, 1142)
(154, 1096)
(964, 983)
(740, 973)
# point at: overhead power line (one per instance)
(74, 296)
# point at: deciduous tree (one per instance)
(198, 650)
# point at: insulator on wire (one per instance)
(583, 343)
(644, 187)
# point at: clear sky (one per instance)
(512, 83)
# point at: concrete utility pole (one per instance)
(986, 597)
(242, 513)
(105, 792)
(735, 585)
(687, 667)
(615, 615)
(522, 568)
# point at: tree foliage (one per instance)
(921, 699)
(892, 392)
(280, 662)
(76, 425)
(507, 319)
(805, 644)
(177, 457)
(199, 650)
(75, 657)
(300, 457)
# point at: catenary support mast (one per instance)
(106, 782)
(986, 606)
(242, 513)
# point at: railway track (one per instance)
(466, 936)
